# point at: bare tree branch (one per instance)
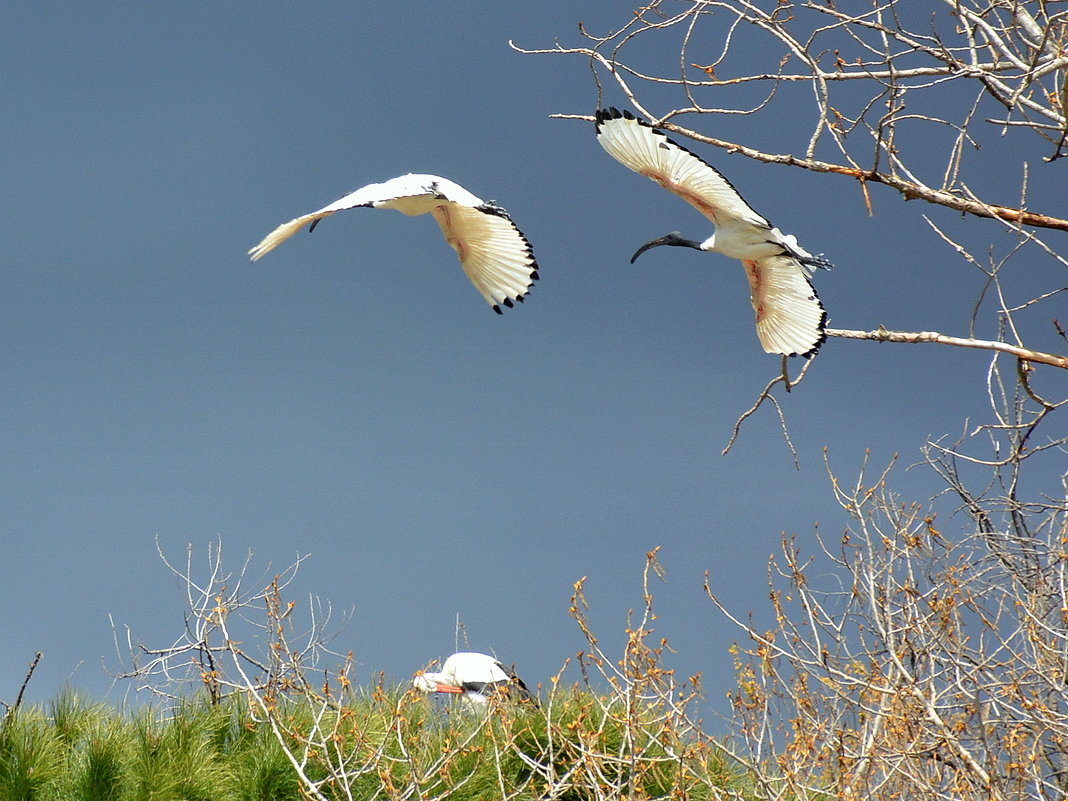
(25, 683)
(914, 337)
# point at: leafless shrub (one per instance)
(625, 731)
(935, 664)
(235, 638)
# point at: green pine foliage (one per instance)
(32, 758)
(384, 745)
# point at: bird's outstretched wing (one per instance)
(790, 318)
(494, 253)
(637, 145)
(366, 197)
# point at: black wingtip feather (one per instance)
(811, 352)
(496, 210)
(602, 115)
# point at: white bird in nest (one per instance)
(475, 678)
(494, 253)
(789, 316)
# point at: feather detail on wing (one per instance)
(647, 151)
(494, 253)
(284, 232)
(789, 315)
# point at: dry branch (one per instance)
(913, 337)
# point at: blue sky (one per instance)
(352, 397)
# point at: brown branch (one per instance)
(913, 337)
(765, 395)
(25, 682)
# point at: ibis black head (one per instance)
(674, 238)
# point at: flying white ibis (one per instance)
(475, 677)
(493, 251)
(789, 316)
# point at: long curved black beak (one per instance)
(673, 238)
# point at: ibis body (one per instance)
(493, 252)
(790, 319)
(475, 677)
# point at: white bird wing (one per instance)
(366, 196)
(494, 253)
(640, 147)
(790, 318)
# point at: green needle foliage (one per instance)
(389, 744)
(32, 764)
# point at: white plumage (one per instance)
(789, 316)
(492, 250)
(475, 677)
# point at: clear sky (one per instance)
(351, 396)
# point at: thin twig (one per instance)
(25, 682)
